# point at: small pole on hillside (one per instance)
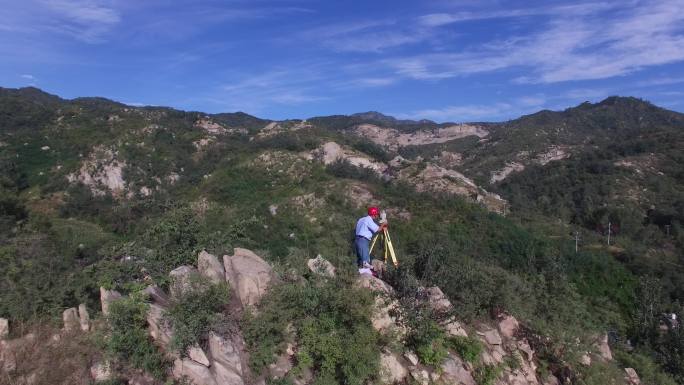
(609, 224)
(576, 241)
(667, 230)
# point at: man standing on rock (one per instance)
(365, 229)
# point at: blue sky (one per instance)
(464, 60)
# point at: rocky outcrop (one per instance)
(106, 298)
(382, 318)
(392, 369)
(158, 328)
(157, 295)
(455, 372)
(331, 152)
(197, 354)
(249, 276)
(631, 377)
(222, 360)
(604, 348)
(101, 371)
(71, 320)
(393, 139)
(83, 317)
(182, 279)
(436, 179)
(197, 373)
(321, 266)
(4, 328)
(507, 326)
(210, 267)
(101, 172)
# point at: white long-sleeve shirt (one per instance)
(366, 227)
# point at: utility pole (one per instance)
(667, 230)
(576, 241)
(609, 224)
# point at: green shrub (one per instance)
(649, 371)
(487, 374)
(427, 338)
(467, 348)
(174, 241)
(196, 311)
(330, 322)
(128, 339)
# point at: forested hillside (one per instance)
(96, 194)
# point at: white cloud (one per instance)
(580, 44)
(439, 19)
(28, 77)
(462, 113)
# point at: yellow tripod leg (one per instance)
(384, 246)
(388, 245)
(375, 238)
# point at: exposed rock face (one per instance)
(210, 267)
(455, 372)
(157, 295)
(507, 326)
(197, 354)
(248, 275)
(552, 153)
(226, 358)
(411, 357)
(434, 178)
(438, 301)
(331, 152)
(101, 371)
(500, 175)
(421, 376)
(631, 377)
(321, 266)
(392, 370)
(102, 172)
(454, 328)
(197, 373)
(84, 317)
(157, 325)
(106, 298)
(491, 336)
(394, 139)
(604, 348)
(71, 320)
(182, 278)
(382, 319)
(210, 126)
(4, 328)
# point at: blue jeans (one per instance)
(362, 245)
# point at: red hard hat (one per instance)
(373, 211)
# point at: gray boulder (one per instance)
(392, 369)
(198, 374)
(321, 266)
(226, 364)
(158, 328)
(182, 279)
(210, 267)
(157, 295)
(249, 276)
(455, 372)
(71, 320)
(83, 317)
(4, 328)
(106, 298)
(196, 354)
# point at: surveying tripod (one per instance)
(386, 241)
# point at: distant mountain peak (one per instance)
(387, 119)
